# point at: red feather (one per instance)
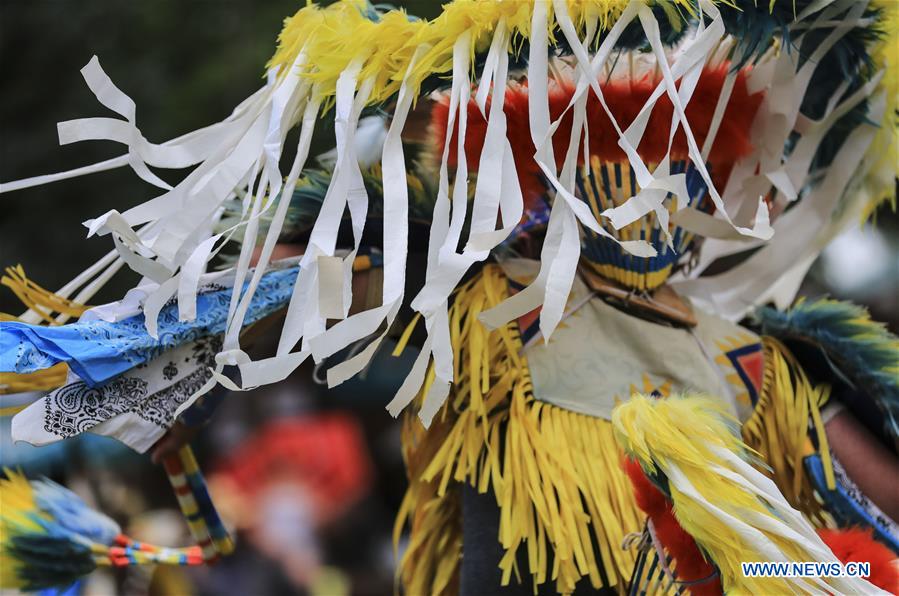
(691, 565)
(625, 99)
(858, 546)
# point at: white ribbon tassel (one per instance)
(396, 231)
(538, 118)
(306, 316)
(495, 197)
(285, 100)
(442, 229)
(179, 222)
(553, 283)
(805, 229)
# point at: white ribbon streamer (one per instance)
(396, 231)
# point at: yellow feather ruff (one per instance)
(732, 512)
(336, 35)
(555, 474)
(779, 428)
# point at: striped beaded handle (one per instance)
(196, 505)
(126, 551)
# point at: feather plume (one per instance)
(46, 534)
(862, 350)
(49, 537)
(735, 514)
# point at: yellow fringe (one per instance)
(556, 475)
(42, 301)
(46, 304)
(39, 380)
(779, 428)
(687, 439)
(431, 559)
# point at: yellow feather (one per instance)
(734, 514)
(17, 508)
(336, 35)
(778, 428)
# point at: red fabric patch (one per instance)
(754, 365)
(749, 362)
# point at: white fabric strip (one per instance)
(307, 316)
(122, 160)
(443, 227)
(651, 186)
(396, 231)
(808, 225)
(538, 117)
(289, 94)
(277, 222)
(304, 315)
(761, 227)
(495, 197)
(564, 267)
(587, 79)
(785, 86)
(806, 229)
(550, 288)
(209, 143)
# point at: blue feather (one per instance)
(863, 350)
(72, 514)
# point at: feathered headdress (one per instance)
(862, 351)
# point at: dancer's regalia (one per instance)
(605, 189)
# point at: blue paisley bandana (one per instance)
(97, 351)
